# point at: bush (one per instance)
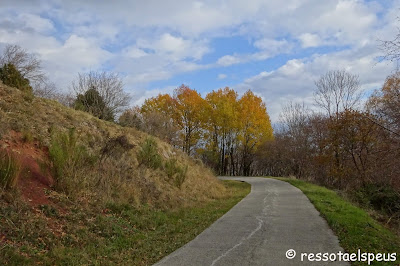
(92, 102)
(175, 172)
(13, 78)
(148, 155)
(181, 177)
(69, 160)
(380, 197)
(9, 169)
(115, 147)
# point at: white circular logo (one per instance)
(290, 254)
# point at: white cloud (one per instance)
(36, 23)
(273, 46)
(134, 52)
(156, 40)
(310, 40)
(228, 60)
(294, 81)
(222, 76)
(175, 47)
(153, 93)
(292, 68)
(267, 48)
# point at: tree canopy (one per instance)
(223, 129)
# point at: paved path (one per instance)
(272, 219)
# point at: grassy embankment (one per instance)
(77, 190)
(117, 235)
(353, 226)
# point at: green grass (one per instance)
(353, 226)
(9, 168)
(112, 235)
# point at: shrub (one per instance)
(9, 169)
(181, 177)
(13, 78)
(92, 102)
(175, 172)
(148, 155)
(115, 147)
(69, 160)
(380, 197)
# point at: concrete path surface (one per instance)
(260, 229)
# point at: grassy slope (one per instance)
(118, 235)
(133, 215)
(39, 117)
(353, 226)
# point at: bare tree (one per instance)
(109, 87)
(46, 90)
(391, 48)
(337, 91)
(27, 64)
(295, 119)
(66, 99)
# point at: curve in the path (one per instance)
(259, 230)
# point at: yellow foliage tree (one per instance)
(188, 114)
(222, 128)
(255, 127)
(231, 129)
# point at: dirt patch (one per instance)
(34, 178)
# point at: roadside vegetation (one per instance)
(355, 228)
(350, 147)
(113, 234)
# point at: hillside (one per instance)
(28, 126)
(90, 191)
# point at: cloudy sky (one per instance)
(275, 48)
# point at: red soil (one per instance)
(32, 180)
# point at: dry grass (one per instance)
(112, 234)
(117, 177)
(9, 169)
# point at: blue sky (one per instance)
(275, 48)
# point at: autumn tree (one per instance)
(222, 130)
(254, 127)
(188, 116)
(157, 115)
(337, 91)
(351, 139)
(385, 103)
(162, 103)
